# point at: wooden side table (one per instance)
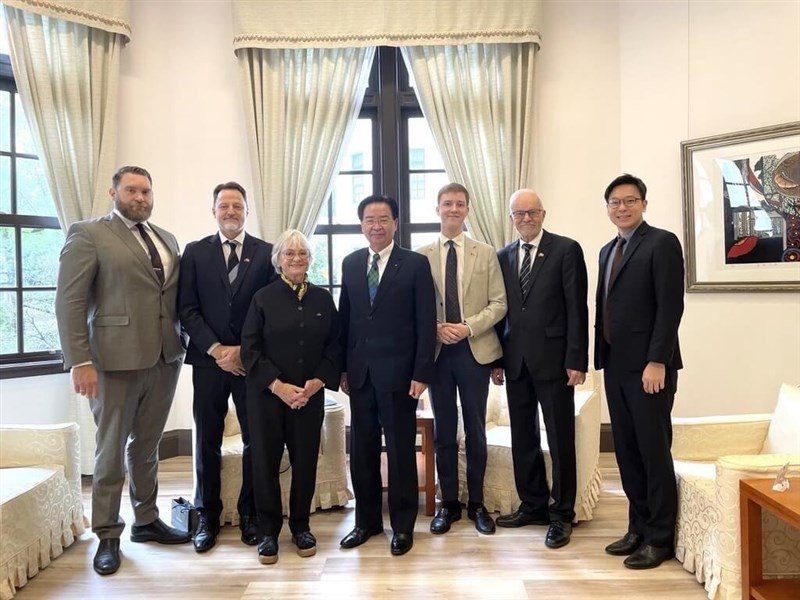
(755, 495)
(428, 470)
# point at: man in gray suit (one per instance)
(117, 320)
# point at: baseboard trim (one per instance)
(177, 442)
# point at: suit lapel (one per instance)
(542, 254)
(389, 273)
(470, 255)
(509, 254)
(432, 251)
(217, 259)
(248, 249)
(129, 239)
(636, 239)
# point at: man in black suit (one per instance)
(219, 275)
(388, 316)
(639, 309)
(545, 341)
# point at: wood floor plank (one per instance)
(512, 564)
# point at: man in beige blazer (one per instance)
(117, 320)
(470, 300)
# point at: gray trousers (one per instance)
(130, 412)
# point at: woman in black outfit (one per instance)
(291, 351)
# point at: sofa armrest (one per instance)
(30, 445)
(708, 438)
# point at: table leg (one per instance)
(430, 469)
(752, 573)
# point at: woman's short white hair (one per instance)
(292, 238)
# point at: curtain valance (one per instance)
(107, 15)
(361, 23)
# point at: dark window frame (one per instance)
(21, 363)
(389, 102)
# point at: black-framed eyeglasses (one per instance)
(533, 213)
(627, 201)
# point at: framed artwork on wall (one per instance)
(741, 210)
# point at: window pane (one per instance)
(422, 188)
(8, 323)
(348, 192)
(5, 120)
(358, 155)
(422, 151)
(24, 142)
(39, 330)
(8, 258)
(318, 271)
(5, 184)
(344, 244)
(33, 197)
(420, 239)
(40, 252)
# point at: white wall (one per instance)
(620, 84)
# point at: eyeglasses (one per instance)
(290, 254)
(533, 213)
(627, 201)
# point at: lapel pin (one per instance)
(245, 260)
(541, 254)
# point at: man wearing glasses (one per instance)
(545, 342)
(639, 309)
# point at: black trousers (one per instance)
(273, 426)
(212, 387)
(458, 374)
(642, 428)
(396, 413)
(557, 400)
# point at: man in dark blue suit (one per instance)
(388, 315)
(639, 308)
(219, 275)
(545, 338)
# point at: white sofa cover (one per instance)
(41, 507)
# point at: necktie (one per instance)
(525, 271)
(452, 310)
(373, 278)
(155, 257)
(233, 261)
(615, 264)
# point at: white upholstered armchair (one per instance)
(711, 455)
(41, 508)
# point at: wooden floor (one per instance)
(512, 564)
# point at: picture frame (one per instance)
(741, 210)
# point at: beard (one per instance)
(138, 213)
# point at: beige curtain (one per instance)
(66, 75)
(301, 106)
(478, 100)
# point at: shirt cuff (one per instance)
(212, 347)
(83, 364)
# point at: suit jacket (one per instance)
(483, 296)
(110, 306)
(549, 327)
(645, 302)
(211, 309)
(392, 340)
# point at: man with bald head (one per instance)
(545, 339)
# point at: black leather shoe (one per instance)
(205, 536)
(648, 557)
(106, 559)
(306, 544)
(249, 527)
(401, 543)
(445, 517)
(558, 534)
(625, 545)
(520, 519)
(483, 520)
(359, 535)
(268, 550)
(160, 532)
